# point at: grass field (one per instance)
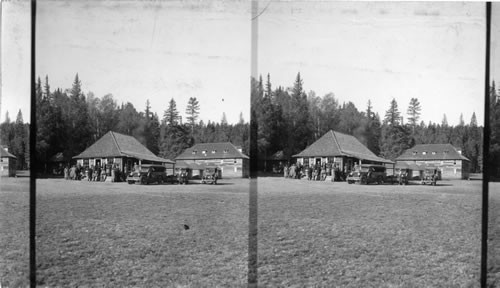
(318, 234)
(115, 234)
(325, 234)
(14, 232)
(494, 236)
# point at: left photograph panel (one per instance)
(14, 143)
(143, 134)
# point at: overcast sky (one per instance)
(156, 50)
(378, 51)
(138, 50)
(15, 59)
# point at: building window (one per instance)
(213, 151)
(414, 152)
(433, 153)
(204, 152)
(225, 151)
(194, 152)
(424, 153)
(445, 152)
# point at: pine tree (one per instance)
(414, 111)
(461, 120)
(369, 110)
(223, 120)
(392, 116)
(444, 122)
(192, 110)
(473, 120)
(171, 115)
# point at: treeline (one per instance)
(15, 137)
(494, 152)
(289, 119)
(69, 121)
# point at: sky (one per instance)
(495, 44)
(15, 59)
(378, 51)
(156, 50)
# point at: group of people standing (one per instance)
(93, 173)
(315, 172)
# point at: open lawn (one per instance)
(325, 234)
(115, 235)
(14, 232)
(494, 235)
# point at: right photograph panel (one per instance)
(370, 127)
(494, 152)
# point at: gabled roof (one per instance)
(5, 154)
(432, 152)
(225, 150)
(334, 144)
(114, 144)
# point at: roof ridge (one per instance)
(116, 142)
(336, 141)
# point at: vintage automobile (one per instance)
(182, 176)
(210, 175)
(147, 174)
(403, 176)
(430, 176)
(367, 173)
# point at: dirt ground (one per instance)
(327, 234)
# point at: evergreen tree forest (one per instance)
(289, 119)
(494, 152)
(70, 120)
(14, 135)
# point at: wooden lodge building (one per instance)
(122, 150)
(448, 159)
(341, 149)
(226, 156)
(8, 163)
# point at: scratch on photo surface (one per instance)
(255, 17)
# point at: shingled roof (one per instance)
(432, 152)
(225, 150)
(4, 153)
(114, 144)
(335, 144)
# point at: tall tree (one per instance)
(171, 115)
(444, 122)
(392, 116)
(473, 120)
(192, 110)
(414, 111)
(19, 142)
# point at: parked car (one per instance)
(367, 173)
(210, 175)
(430, 176)
(182, 176)
(147, 174)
